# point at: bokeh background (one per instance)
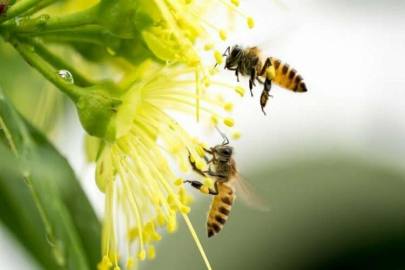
(331, 162)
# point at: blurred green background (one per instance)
(335, 212)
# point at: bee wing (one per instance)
(249, 193)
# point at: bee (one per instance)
(227, 180)
(249, 62)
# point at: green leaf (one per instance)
(41, 201)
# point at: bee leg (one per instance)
(220, 175)
(260, 81)
(198, 185)
(265, 94)
(253, 76)
(265, 66)
(252, 80)
(237, 74)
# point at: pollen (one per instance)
(223, 35)
(200, 164)
(151, 252)
(240, 90)
(235, 2)
(185, 209)
(250, 22)
(179, 181)
(208, 182)
(271, 72)
(229, 122)
(171, 225)
(170, 198)
(208, 46)
(161, 219)
(218, 57)
(117, 268)
(200, 151)
(156, 237)
(204, 190)
(206, 81)
(228, 106)
(130, 263)
(236, 134)
(214, 119)
(142, 255)
(106, 261)
(203, 145)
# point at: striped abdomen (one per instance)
(220, 209)
(287, 77)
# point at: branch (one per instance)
(73, 91)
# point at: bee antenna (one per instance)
(224, 54)
(226, 141)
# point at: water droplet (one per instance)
(66, 75)
(43, 19)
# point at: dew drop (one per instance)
(43, 19)
(66, 75)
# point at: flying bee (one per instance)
(249, 62)
(227, 180)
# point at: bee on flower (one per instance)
(139, 137)
(134, 171)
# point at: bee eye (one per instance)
(226, 152)
(235, 51)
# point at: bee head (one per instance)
(223, 150)
(234, 57)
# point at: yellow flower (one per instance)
(134, 171)
(170, 28)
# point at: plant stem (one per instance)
(39, 7)
(59, 63)
(86, 17)
(73, 91)
(18, 8)
(91, 34)
(82, 18)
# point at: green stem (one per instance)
(58, 64)
(27, 25)
(73, 91)
(39, 7)
(91, 34)
(86, 17)
(18, 9)
(12, 2)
